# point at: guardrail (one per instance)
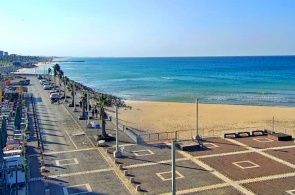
(189, 134)
(126, 130)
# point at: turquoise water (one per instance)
(224, 80)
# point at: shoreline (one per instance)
(37, 66)
(155, 117)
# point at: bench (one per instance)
(230, 135)
(259, 133)
(244, 134)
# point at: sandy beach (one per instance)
(167, 116)
(39, 66)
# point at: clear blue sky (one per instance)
(148, 27)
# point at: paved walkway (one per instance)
(75, 165)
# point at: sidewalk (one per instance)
(91, 132)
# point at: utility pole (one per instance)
(197, 116)
(273, 124)
(173, 168)
(75, 110)
(117, 153)
(87, 107)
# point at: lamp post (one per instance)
(65, 88)
(75, 109)
(173, 168)
(273, 124)
(117, 152)
(197, 116)
(87, 107)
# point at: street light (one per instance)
(197, 116)
(117, 152)
(173, 168)
(75, 109)
(87, 107)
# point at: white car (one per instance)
(52, 91)
(54, 96)
(44, 83)
(42, 80)
(47, 87)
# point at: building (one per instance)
(1, 53)
(5, 53)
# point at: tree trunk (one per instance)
(73, 96)
(54, 82)
(84, 102)
(103, 126)
(65, 92)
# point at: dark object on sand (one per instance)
(280, 137)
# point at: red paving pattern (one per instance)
(287, 154)
(261, 142)
(227, 162)
(223, 146)
(277, 186)
(219, 191)
(266, 167)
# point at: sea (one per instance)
(246, 80)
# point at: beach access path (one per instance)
(72, 163)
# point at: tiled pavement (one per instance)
(227, 167)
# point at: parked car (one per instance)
(42, 80)
(45, 83)
(47, 87)
(52, 91)
(54, 96)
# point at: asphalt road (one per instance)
(73, 164)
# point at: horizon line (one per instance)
(171, 56)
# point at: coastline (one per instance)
(154, 117)
(38, 66)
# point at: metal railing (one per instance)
(189, 134)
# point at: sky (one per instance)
(147, 28)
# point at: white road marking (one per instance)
(265, 178)
(71, 139)
(87, 186)
(199, 189)
(178, 175)
(79, 173)
(154, 163)
(68, 151)
(73, 161)
(217, 174)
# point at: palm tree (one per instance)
(56, 68)
(65, 81)
(84, 104)
(49, 72)
(60, 74)
(103, 101)
(70, 87)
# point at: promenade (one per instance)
(74, 165)
(72, 162)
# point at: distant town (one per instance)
(10, 62)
